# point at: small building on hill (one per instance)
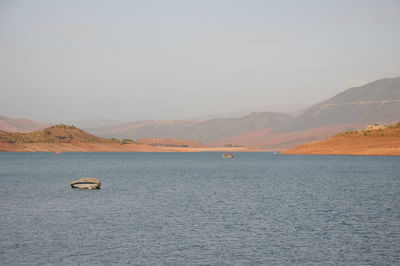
(375, 127)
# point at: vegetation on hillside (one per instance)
(124, 141)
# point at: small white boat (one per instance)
(86, 183)
(227, 155)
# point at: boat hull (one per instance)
(86, 186)
(86, 183)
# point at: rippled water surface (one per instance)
(199, 209)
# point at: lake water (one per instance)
(199, 209)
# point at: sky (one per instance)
(140, 60)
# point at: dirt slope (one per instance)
(363, 142)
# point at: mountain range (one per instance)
(20, 125)
(355, 108)
(204, 131)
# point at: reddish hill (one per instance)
(270, 140)
(363, 142)
(20, 125)
(64, 138)
(55, 134)
(165, 142)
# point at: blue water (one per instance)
(199, 209)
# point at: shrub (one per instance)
(11, 140)
(127, 141)
(114, 140)
(170, 145)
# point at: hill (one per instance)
(203, 131)
(20, 125)
(55, 134)
(384, 141)
(375, 102)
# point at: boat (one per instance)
(86, 183)
(227, 155)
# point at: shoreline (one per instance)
(351, 145)
(112, 147)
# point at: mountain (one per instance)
(380, 141)
(92, 123)
(355, 108)
(375, 102)
(20, 125)
(204, 131)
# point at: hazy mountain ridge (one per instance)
(203, 131)
(92, 123)
(375, 102)
(20, 125)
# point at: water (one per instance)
(199, 209)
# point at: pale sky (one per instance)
(136, 60)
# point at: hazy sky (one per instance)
(131, 60)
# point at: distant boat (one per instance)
(86, 183)
(227, 155)
(57, 153)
